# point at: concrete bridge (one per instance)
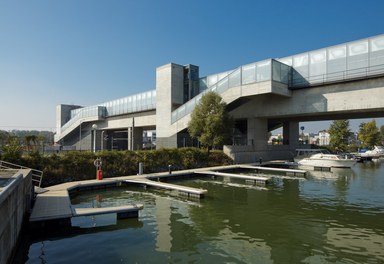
(339, 82)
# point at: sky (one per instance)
(86, 52)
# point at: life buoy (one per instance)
(97, 163)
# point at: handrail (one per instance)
(37, 175)
(352, 74)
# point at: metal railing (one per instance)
(340, 76)
(37, 175)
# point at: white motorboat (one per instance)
(369, 154)
(328, 160)
(306, 153)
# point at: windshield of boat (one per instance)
(310, 152)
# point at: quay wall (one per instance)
(15, 206)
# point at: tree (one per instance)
(210, 122)
(12, 151)
(382, 134)
(339, 133)
(369, 134)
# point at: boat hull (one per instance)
(318, 162)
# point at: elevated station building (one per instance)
(344, 81)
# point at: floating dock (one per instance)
(248, 178)
(287, 172)
(53, 206)
(188, 191)
(122, 212)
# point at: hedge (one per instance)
(75, 166)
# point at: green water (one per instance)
(333, 217)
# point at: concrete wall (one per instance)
(63, 114)
(15, 205)
(357, 99)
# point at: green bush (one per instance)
(75, 166)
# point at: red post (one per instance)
(99, 172)
(99, 175)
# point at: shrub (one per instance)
(75, 166)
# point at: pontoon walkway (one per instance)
(188, 191)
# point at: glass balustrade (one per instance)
(130, 104)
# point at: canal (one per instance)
(330, 217)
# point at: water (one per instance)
(333, 217)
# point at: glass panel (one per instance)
(285, 73)
(263, 71)
(287, 61)
(318, 64)
(212, 80)
(357, 48)
(222, 85)
(234, 79)
(222, 75)
(337, 52)
(377, 43)
(301, 69)
(300, 60)
(248, 74)
(357, 57)
(202, 84)
(376, 56)
(276, 71)
(174, 116)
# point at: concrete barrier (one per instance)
(15, 205)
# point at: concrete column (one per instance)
(257, 131)
(291, 134)
(135, 138)
(169, 95)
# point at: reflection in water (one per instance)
(163, 220)
(357, 242)
(332, 217)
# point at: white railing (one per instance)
(37, 175)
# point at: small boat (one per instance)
(369, 154)
(328, 160)
(306, 153)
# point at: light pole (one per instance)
(94, 127)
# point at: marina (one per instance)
(53, 205)
(331, 213)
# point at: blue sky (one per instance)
(89, 51)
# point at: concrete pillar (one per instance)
(291, 134)
(135, 138)
(257, 131)
(169, 95)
